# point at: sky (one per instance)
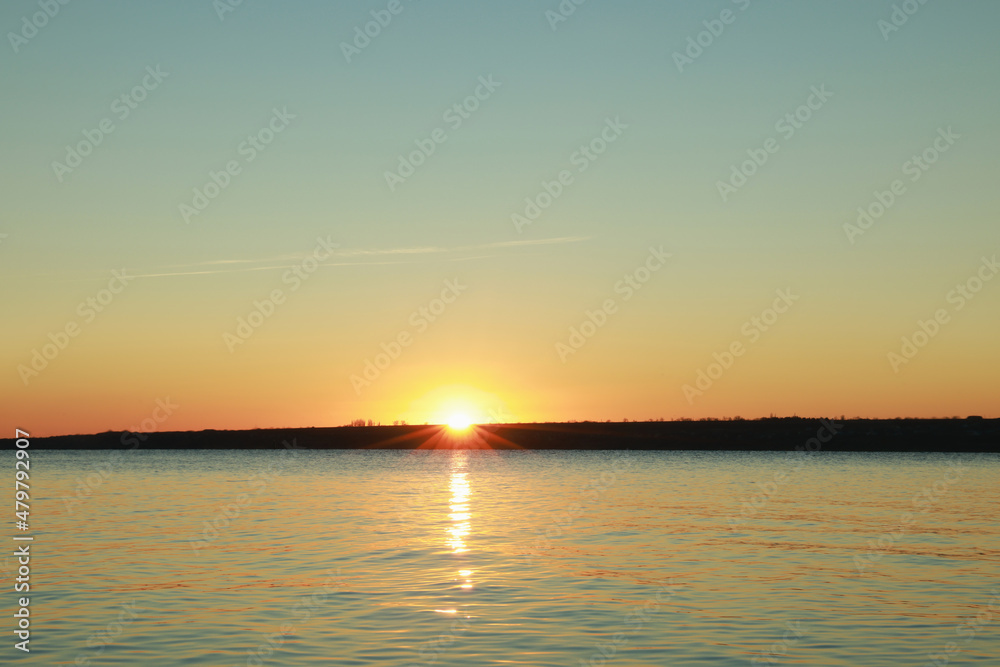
(283, 214)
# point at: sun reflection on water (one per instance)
(460, 515)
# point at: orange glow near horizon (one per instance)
(96, 407)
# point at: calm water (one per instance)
(516, 558)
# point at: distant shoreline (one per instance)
(775, 434)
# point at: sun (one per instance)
(457, 408)
(459, 422)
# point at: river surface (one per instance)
(399, 558)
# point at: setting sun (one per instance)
(459, 422)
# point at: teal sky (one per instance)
(657, 185)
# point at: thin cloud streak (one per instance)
(360, 252)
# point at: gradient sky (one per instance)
(493, 351)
